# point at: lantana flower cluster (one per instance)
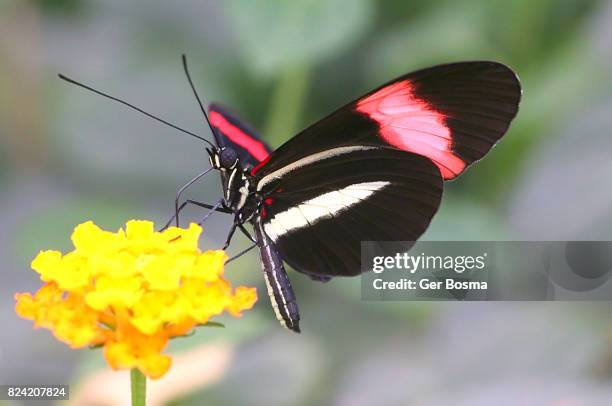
(131, 291)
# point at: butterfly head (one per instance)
(223, 159)
(233, 180)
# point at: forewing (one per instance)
(319, 212)
(452, 114)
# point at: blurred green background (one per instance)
(67, 155)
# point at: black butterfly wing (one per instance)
(319, 209)
(452, 114)
(232, 132)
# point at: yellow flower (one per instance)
(131, 291)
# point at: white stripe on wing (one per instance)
(319, 156)
(320, 207)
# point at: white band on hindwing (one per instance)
(320, 207)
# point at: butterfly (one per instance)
(373, 170)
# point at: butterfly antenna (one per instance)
(195, 92)
(138, 109)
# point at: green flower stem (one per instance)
(139, 387)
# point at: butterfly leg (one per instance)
(195, 203)
(182, 189)
(246, 232)
(241, 253)
(216, 207)
(238, 224)
(230, 235)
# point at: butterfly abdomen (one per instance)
(279, 287)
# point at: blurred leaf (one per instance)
(451, 31)
(529, 31)
(397, 12)
(274, 35)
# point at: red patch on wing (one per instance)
(253, 146)
(267, 201)
(259, 165)
(411, 124)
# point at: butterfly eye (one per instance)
(228, 158)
